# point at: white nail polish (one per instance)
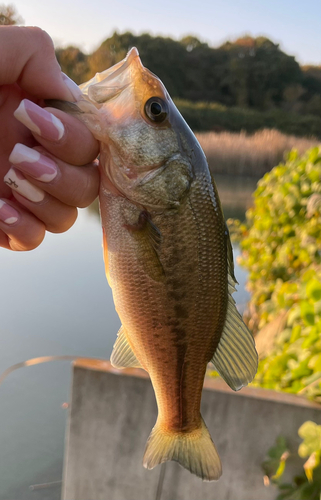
(8, 214)
(22, 115)
(22, 153)
(73, 87)
(59, 126)
(21, 185)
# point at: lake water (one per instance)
(55, 300)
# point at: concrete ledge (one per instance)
(113, 411)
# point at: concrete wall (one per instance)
(112, 413)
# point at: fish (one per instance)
(168, 258)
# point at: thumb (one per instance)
(27, 57)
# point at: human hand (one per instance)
(51, 170)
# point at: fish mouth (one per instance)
(111, 82)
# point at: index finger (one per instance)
(27, 56)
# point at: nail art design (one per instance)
(32, 163)
(21, 185)
(39, 120)
(8, 214)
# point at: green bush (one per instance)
(307, 485)
(281, 248)
(202, 116)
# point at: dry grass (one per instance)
(249, 155)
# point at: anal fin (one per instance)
(235, 358)
(122, 355)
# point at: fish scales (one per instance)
(168, 259)
(171, 322)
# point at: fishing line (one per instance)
(160, 481)
(45, 359)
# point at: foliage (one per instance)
(277, 456)
(250, 73)
(281, 249)
(9, 15)
(217, 117)
(306, 486)
(74, 63)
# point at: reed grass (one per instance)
(249, 155)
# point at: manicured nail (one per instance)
(73, 87)
(39, 121)
(32, 163)
(8, 215)
(21, 185)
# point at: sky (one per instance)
(294, 24)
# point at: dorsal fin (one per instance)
(231, 280)
(229, 250)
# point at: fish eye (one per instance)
(156, 109)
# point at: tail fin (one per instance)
(193, 450)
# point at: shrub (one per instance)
(281, 249)
(307, 485)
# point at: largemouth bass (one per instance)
(168, 259)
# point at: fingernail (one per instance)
(21, 185)
(39, 120)
(8, 215)
(72, 87)
(32, 163)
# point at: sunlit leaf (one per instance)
(314, 290)
(307, 312)
(309, 466)
(310, 432)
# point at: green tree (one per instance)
(251, 73)
(9, 15)
(74, 63)
(259, 72)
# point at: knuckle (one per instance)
(65, 222)
(84, 192)
(41, 37)
(90, 188)
(86, 199)
(26, 245)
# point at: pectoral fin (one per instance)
(122, 355)
(148, 238)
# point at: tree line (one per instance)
(246, 85)
(252, 73)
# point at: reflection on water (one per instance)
(55, 300)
